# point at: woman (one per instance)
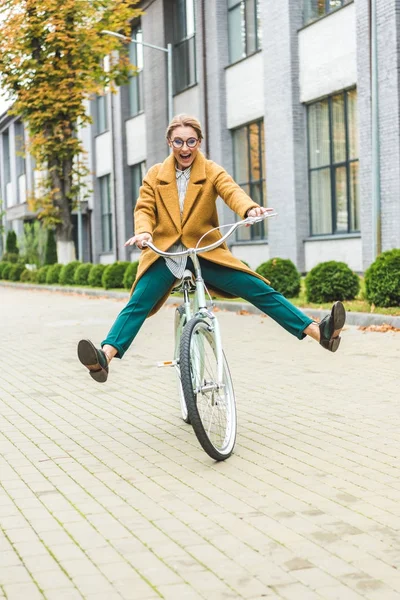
(176, 206)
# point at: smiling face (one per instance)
(182, 136)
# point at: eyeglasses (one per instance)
(190, 142)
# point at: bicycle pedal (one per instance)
(167, 363)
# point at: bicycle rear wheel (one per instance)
(179, 324)
(210, 403)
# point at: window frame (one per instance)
(261, 181)
(258, 38)
(333, 166)
(106, 215)
(101, 99)
(136, 81)
(307, 10)
(190, 78)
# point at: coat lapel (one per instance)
(169, 191)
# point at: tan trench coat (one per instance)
(157, 212)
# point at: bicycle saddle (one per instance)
(187, 278)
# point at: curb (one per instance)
(353, 318)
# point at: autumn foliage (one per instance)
(51, 60)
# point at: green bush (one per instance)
(4, 267)
(82, 273)
(67, 273)
(11, 242)
(42, 274)
(15, 272)
(53, 274)
(331, 281)
(95, 275)
(282, 274)
(113, 276)
(130, 274)
(382, 279)
(50, 254)
(10, 257)
(26, 275)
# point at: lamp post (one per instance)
(167, 50)
(376, 183)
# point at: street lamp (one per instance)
(168, 51)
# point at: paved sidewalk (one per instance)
(107, 495)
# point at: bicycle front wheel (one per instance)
(179, 324)
(210, 402)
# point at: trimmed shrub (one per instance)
(67, 273)
(10, 257)
(130, 275)
(6, 270)
(4, 266)
(282, 274)
(113, 276)
(11, 242)
(382, 279)
(26, 275)
(15, 272)
(42, 274)
(95, 275)
(50, 255)
(331, 281)
(82, 273)
(53, 274)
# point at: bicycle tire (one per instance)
(179, 324)
(198, 371)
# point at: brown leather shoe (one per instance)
(331, 326)
(94, 359)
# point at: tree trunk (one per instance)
(61, 182)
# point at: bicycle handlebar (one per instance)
(189, 251)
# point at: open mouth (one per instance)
(185, 156)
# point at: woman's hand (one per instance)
(139, 239)
(257, 212)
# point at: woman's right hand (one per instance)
(139, 239)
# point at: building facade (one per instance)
(283, 90)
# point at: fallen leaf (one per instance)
(385, 327)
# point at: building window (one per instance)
(101, 114)
(136, 81)
(20, 147)
(249, 170)
(184, 58)
(313, 9)
(244, 26)
(106, 214)
(6, 157)
(138, 172)
(333, 164)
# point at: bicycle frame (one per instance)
(200, 304)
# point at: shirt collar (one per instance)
(185, 173)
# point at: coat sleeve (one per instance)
(232, 194)
(145, 210)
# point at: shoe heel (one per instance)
(334, 344)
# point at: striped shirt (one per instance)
(177, 265)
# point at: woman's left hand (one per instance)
(258, 211)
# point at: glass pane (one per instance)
(190, 21)
(191, 48)
(180, 67)
(318, 133)
(179, 20)
(232, 3)
(244, 233)
(240, 155)
(259, 26)
(251, 27)
(237, 33)
(255, 158)
(101, 114)
(314, 9)
(352, 123)
(341, 199)
(257, 232)
(321, 208)
(338, 129)
(134, 95)
(354, 198)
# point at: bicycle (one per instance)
(205, 387)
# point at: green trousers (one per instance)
(157, 280)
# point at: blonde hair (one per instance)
(184, 121)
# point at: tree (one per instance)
(50, 257)
(51, 61)
(11, 242)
